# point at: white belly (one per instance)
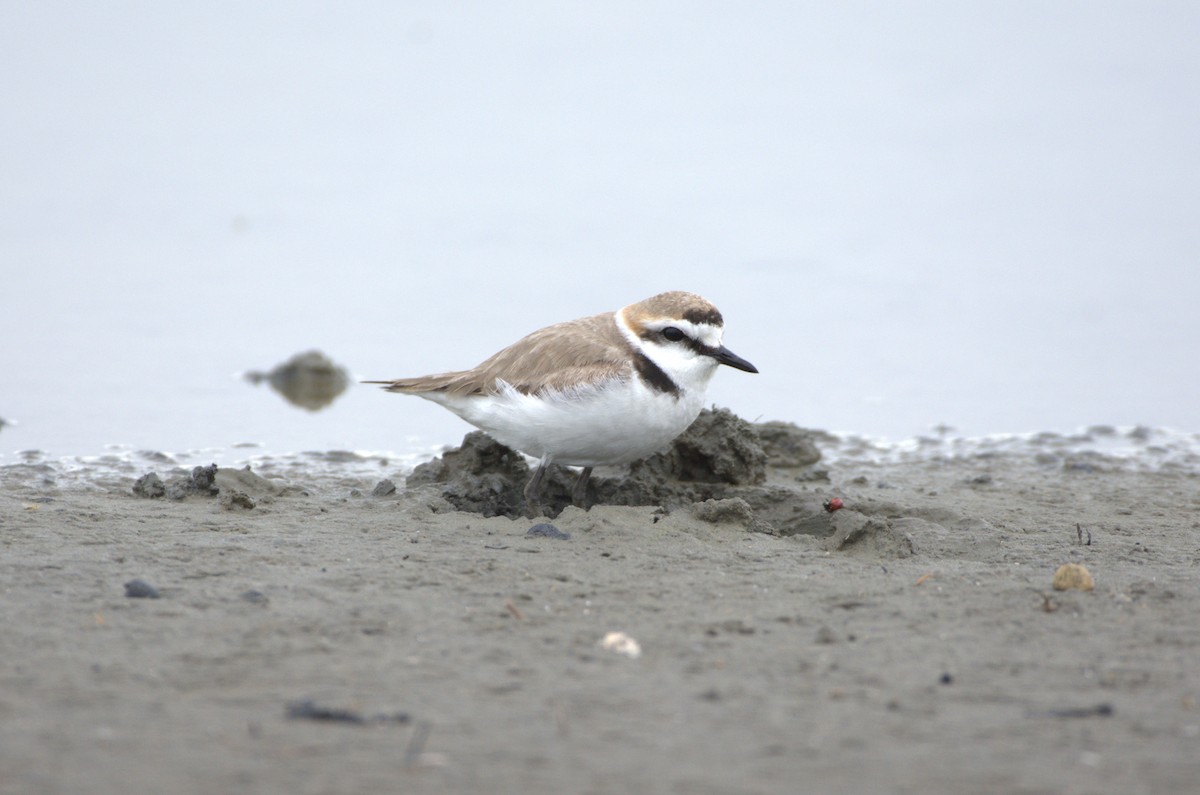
(619, 423)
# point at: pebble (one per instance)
(140, 589)
(620, 643)
(1073, 575)
(547, 530)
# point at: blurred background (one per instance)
(983, 215)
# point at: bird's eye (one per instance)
(672, 334)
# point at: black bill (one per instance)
(726, 356)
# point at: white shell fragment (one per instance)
(621, 643)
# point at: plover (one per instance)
(601, 390)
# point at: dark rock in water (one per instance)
(310, 380)
(547, 530)
(149, 485)
(1141, 433)
(140, 589)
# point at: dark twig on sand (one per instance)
(1098, 711)
(307, 709)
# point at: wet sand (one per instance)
(319, 635)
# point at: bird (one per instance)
(601, 390)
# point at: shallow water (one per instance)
(980, 218)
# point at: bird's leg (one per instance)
(533, 488)
(579, 493)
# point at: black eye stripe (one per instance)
(696, 345)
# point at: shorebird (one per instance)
(601, 390)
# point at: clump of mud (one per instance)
(200, 481)
(237, 488)
(719, 447)
(310, 380)
(788, 446)
(485, 477)
(480, 476)
(720, 456)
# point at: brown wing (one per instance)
(555, 357)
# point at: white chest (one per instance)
(618, 423)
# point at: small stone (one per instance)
(826, 635)
(1073, 575)
(140, 589)
(384, 488)
(547, 530)
(254, 597)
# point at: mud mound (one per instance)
(718, 452)
(788, 446)
(200, 481)
(238, 489)
(485, 477)
(719, 447)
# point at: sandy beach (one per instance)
(229, 566)
(242, 631)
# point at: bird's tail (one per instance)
(426, 383)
